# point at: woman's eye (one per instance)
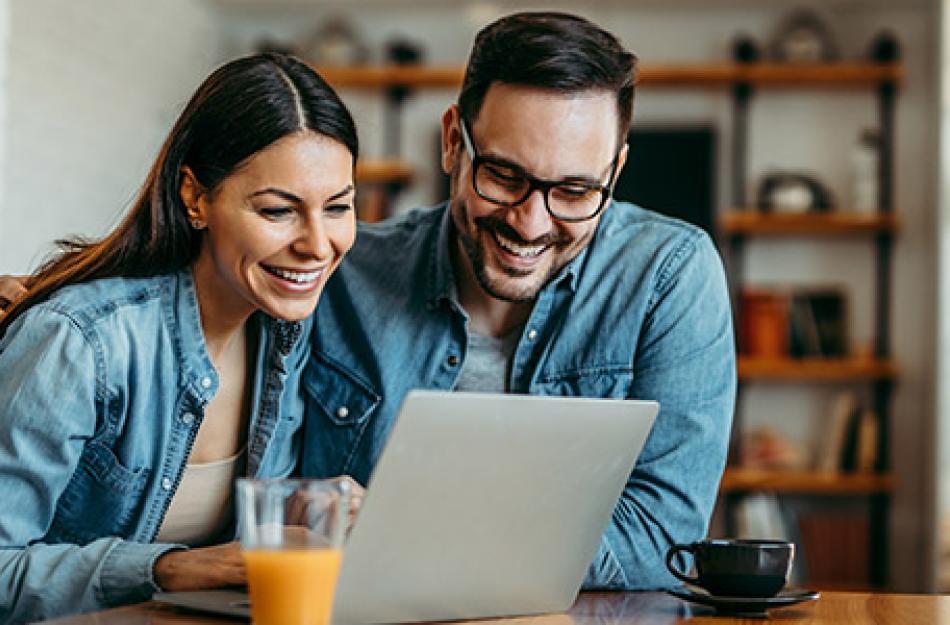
(338, 209)
(275, 212)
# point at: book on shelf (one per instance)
(848, 440)
(830, 439)
(818, 323)
(797, 323)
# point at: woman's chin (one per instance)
(291, 311)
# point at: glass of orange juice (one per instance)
(292, 534)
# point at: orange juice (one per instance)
(292, 586)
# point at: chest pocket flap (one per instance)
(340, 394)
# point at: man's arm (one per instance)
(685, 360)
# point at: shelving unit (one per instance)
(876, 369)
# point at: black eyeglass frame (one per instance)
(536, 183)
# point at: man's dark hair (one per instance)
(549, 50)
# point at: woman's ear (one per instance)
(191, 193)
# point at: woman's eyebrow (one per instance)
(287, 195)
(340, 194)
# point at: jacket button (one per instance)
(532, 334)
(342, 412)
(166, 483)
(188, 418)
(453, 360)
(206, 382)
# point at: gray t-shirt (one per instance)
(488, 362)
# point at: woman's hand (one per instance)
(201, 569)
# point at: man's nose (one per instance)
(531, 219)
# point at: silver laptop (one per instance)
(481, 505)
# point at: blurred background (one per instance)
(809, 138)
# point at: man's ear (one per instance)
(451, 138)
(621, 159)
(191, 193)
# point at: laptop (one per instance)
(481, 505)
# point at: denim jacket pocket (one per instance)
(339, 408)
(342, 397)
(607, 381)
(101, 499)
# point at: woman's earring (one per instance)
(197, 224)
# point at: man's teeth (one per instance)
(299, 277)
(525, 251)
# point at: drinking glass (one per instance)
(292, 534)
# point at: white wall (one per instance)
(4, 63)
(814, 130)
(91, 89)
(943, 284)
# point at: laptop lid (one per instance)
(484, 505)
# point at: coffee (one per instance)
(737, 568)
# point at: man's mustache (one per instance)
(492, 223)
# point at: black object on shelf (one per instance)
(885, 48)
(745, 49)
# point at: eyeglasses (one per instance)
(505, 184)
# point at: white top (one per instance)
(203, 504)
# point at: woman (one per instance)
(143, 372)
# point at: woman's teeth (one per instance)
(300, 277)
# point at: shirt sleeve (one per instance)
(686, 361)
(49, 400)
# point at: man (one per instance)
(531, 280)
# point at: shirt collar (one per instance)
(193, 352)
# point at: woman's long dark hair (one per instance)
(240, 109)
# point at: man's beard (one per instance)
(486, 226)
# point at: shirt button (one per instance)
(532, 334)
(453, 360)
(206, 382)
(188, 418)
(166, 484)
(342, 412)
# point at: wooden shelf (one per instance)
(843, 74)
(372, 76)
(815, 369)
(805, 482)
(748, 221)
(384, 171)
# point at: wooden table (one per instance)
(626, 608)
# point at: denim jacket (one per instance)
(643, 312)
(102, 390)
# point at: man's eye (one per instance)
(275, 212)
(504, 176)
(574, 191)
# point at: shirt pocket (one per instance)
(337, 393)
(103, 498)
(606, 382)
(339, 408)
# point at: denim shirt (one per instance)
(643, 312)
(102, 391)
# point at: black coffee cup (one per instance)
(737, 568)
